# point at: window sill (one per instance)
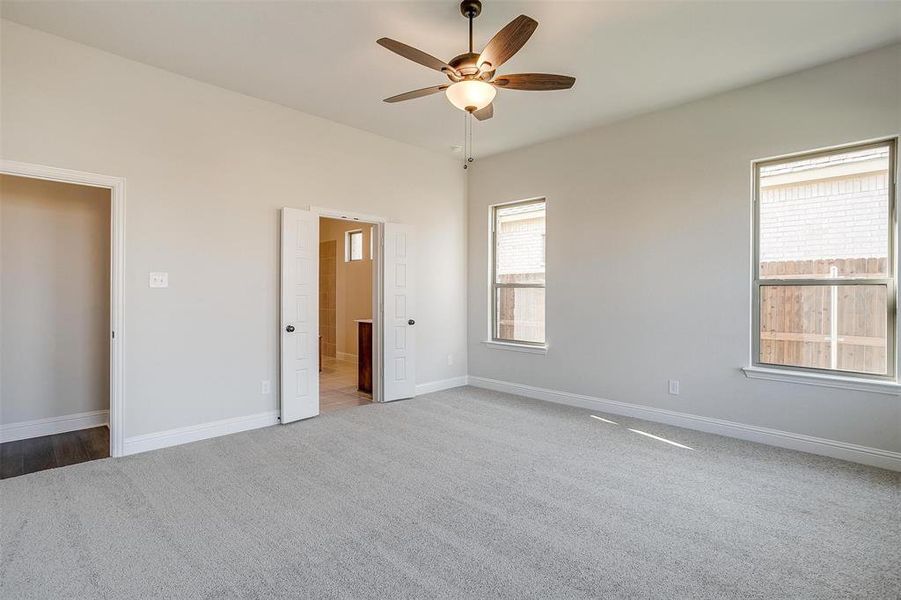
(527, 348)
(832, 381)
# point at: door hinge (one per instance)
(114, 334)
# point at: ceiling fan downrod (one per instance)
(470, 9)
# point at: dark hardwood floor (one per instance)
(51, 451)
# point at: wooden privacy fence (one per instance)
(520, 310)
(824, 326)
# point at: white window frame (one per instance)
(347, 246)
(887, 383)
(502, 343)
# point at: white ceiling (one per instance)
(321, 57)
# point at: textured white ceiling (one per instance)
(321, 57)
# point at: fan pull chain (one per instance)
(467, 140)
(469, 116)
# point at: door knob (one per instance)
(411, 322)
(290, 328)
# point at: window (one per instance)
(517, 291)
(824, 277)
(353, 245)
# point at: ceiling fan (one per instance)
(473, 77)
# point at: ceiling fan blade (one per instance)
(483, 114)
(417, 93)
(539, 82)
(417, 56)
(507, 42)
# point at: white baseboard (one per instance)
(203, 431)
(194, 433)
(346, 356)
(443, 384)
(794, 441)
(23, 430)
(773, 437)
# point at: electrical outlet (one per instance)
(159, 280)
(450, 359)
(674, 387)
(265, 386)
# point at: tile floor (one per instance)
(338, 385)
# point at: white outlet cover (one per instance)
(159, 280)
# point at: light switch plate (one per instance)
(159, 280)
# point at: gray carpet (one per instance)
(458, 494)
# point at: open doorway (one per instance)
(393, 299)
(55, 249)
(346, 284)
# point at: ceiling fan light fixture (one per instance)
(471, 95)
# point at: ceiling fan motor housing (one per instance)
(467, 65)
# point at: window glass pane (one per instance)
(841, 327)
(356, 245)
(519, 254)
(520, 314)
(826, 216)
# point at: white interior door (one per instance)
(299, 375)
(399, 302)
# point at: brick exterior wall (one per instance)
(825, 218)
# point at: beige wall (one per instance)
(207, 171)
(648, 251)
(54, 299)
(353, 289)
(328, 336)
